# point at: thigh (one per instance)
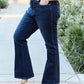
(26, 27)
(47, 22)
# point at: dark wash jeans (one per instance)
(44, 18)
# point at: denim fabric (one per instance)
(44, 18)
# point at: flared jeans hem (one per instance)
(21, 76)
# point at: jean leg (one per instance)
(47, 23)
(23, 66)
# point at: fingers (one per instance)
(38, 0)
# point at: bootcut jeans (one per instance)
(44, 18)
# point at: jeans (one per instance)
(44, 18)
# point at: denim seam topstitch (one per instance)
(51, 24)
(52, 38)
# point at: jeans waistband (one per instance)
(34, 3)
(54, 2)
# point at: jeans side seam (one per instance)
(52, 37)
(51, 17)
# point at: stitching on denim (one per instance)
(51, 16)
(52, 37)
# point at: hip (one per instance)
(52, 7)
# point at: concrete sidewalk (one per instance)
(19, 1)
(8, 24)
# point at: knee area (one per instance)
(16, 37)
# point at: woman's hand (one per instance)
(43, 2)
